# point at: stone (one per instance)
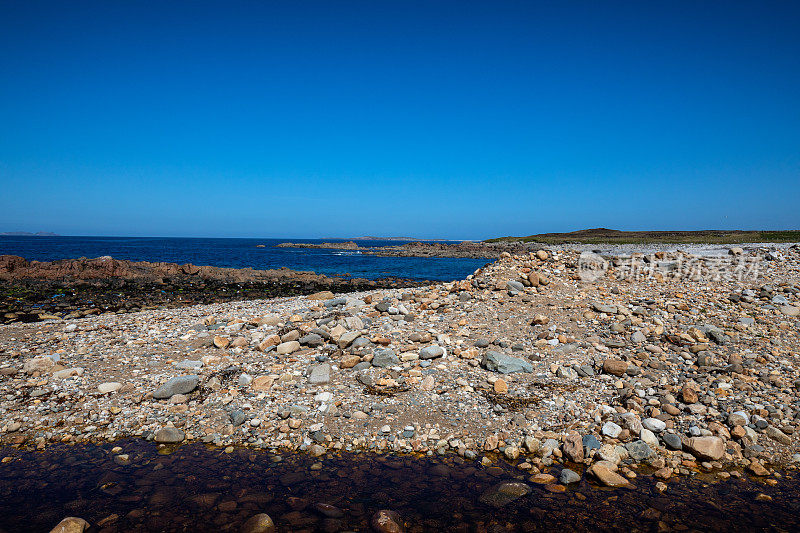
(221, 342)
(427, 384)
(500, 386)
(638, 337)
(689, 395)
(654, 424)
(385, 358)
(39, 364)
(111, 386)
(790, 310)
(71, 524)
(68, 373)
(502, 494)
(169, 435)
(288, 347)
(573, 447)
(638, 450)
(615, 367)
(262, 383)
(259, 523)
(778, 435)
(431, 352)
(603, 308)
(608, 477)
(514, 287)
(568, 476)
(347, 339)
(387, 521)
(312, 339)
(610, 429)
(320, 374)
(177, 385)
(708, 448)
(608, 452)
(318, 296)
(672, 441)
(504, 364)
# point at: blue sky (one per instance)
(429, 119)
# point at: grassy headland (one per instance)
(611, 236)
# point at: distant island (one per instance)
(612, 236)
(28, 234)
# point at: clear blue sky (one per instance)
(429, 119)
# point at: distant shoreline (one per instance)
(611, 236)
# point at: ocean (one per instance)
(242, 253)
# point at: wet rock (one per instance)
(607, 477)
(573, 447)
(504, 493)
(387, 521)
(568, 476)
(260, 523)
(71, 524)
(178, 385)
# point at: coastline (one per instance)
(523, 360)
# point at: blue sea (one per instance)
(241, 253)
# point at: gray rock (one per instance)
(672, 441)
(431, 352)
(568, 476)
(178, 385)
(514, 286)
(504, 364)
(188, 365)
(312, 339)
(590, 442)
(654, 424)
(638, 450)
(385, 358)
(638, 337)
(320, 374)
(566, 372)
(335, 302)
(610, 429)
(237, 417)
(169, 435)
(603, 308)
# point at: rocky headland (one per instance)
(35, 290)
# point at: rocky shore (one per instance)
(31, 291)
(647, 368)
(466, 249)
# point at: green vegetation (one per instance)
(610, 236)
